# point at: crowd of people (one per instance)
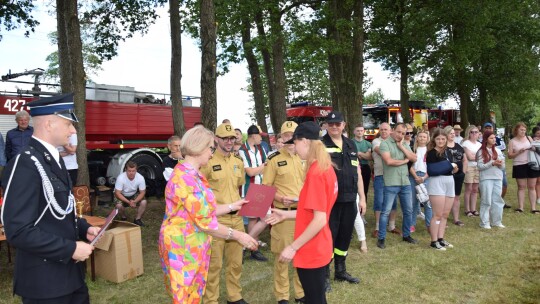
(321, 178)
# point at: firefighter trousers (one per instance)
(282, 235)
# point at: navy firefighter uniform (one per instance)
(39, 215)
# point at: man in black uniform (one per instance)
(39, 212)
(344, 155)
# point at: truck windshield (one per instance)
(373, 117)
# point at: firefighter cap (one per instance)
(225, 130)
(307, 130)
(288, 126)
(60, 105)
(334, 116)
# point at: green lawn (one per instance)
(495, 266)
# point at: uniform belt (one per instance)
(290, 208)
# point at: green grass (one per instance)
(495, 266)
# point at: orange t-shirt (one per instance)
(318, 193)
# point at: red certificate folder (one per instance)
(260, 198)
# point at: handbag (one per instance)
(533, 159)
(442, 167)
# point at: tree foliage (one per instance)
(17, 13)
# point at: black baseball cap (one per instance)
(334, 116)
(307, 130)
(253, 129)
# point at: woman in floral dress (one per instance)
(190, 221)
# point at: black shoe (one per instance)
(301, 300)
(282, 302)
(344, 276)
(257, 255)
(380, 244)
(241, 301)
(507, 206)
(138, 222)
(410, 240)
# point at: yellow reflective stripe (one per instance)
(339, 252)
(333, 150)
(354, 163)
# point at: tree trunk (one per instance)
(176, 68)
(346, 60)
(253, 67)
(483, 106)
(279, 109)
(63, 51)
(267, 62)
(208, 65)
(77, 77)
(403, 65)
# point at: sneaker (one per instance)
(421, 216)
(138, 222)
(380, 244)
(500, 226)
(444, 243)
(485, 227)
(437, 246)
(410, 240)
(258, 256)
(413, 229)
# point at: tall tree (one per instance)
(208, 64)
(176, 68)
(73, 75)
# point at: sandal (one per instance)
(518, 210)
(475, 213)
(468, 213)
(459, 223)
(535, 211)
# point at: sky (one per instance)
(143, 62)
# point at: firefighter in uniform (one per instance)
(225, 174)
(284, 170)
(344, 155)
(39, 212)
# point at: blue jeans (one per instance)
(378, 194)
(390, 194)
(428, 212)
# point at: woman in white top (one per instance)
(518, 149)
(491, 165)
(536, 143)
(418, 175)
(472, 175)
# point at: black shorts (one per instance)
(458, 182)
(523, 171)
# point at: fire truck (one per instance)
(443, 117)
(121, 125)
(373, 115)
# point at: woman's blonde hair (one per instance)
(196, 140)
(468, 132)
(317, 152)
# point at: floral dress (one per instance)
(183, 247)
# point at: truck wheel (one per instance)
(152, 171)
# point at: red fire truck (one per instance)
(443, 117)
(119, 128)
(303, 111)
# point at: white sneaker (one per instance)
(485, 227)
(421, 216)
(500, 226)
(437, 246)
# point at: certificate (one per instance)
(260, 198)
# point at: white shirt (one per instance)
(420, 164)
(71, 159)
(458, 139)
(129, 187)
(256, 161)
(472, 147)
(52, 149)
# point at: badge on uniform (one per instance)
(216, 168)
(47, 156)
(282, 163)
(354, 163)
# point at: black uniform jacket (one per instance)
(346, 167)
(43, 266)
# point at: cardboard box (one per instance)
(118, 255)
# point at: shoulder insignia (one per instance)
(282, 163)
(239, 157)
(274, 155)
(216, 168)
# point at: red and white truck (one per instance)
(121, 125)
